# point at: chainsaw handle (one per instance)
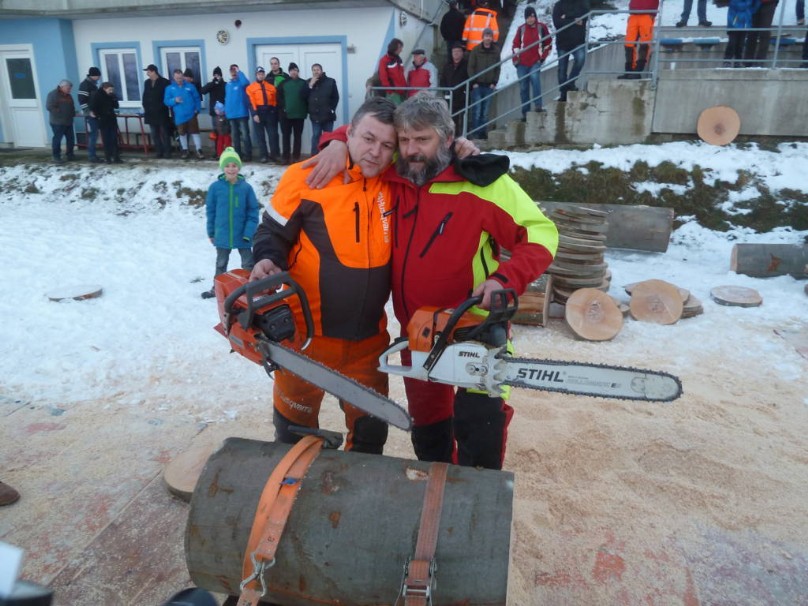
(504, 304)
(251, 290)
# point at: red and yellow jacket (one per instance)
(448, 235)
(336, 243)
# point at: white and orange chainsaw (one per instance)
(462, 348)
(453, 346)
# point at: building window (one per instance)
(119, 66)
(21, 78)
(182, 58)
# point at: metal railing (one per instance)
(670, 48)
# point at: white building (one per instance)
(64, 38)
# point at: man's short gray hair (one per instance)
(65, 83)
(425, 111)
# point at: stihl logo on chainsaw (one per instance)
(536, 374)
(468, 354)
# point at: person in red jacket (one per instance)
(639, 33)
(531, 45)
(391, 71)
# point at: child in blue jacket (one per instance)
(232, 211)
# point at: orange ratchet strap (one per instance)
(271, 515)
(419, 572)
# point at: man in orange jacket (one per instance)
(336, 242)
(264, 112)
(480, 18)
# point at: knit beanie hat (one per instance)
(94, 71)
(217, 71)
(530, 12)
(292, 66)
(229, 155)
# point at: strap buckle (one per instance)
(258, 573)
(416, 587)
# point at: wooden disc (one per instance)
(580, 257)
(77, 293)
(182, 473)
(683, 292)
(576, 283)
(738, 296)
(568, 224)
(719, 125)
(656, 301)
(579, 244)
(593, 315)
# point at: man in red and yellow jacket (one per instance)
(335, 242)
(264, 111)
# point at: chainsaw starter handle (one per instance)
(251, 290)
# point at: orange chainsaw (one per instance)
(462, 348)
(256, 317)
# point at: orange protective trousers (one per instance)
(639, 33)
(298, 401)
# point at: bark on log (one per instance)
(636, 227)
(766, 260)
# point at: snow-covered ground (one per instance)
(130, 230)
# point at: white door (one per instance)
(21, 113)
(305, 55)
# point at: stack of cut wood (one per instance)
(579, 262)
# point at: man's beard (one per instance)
(431, 166)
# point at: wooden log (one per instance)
(352, 528)
(636, 227)
(766, 260)
(534, 303)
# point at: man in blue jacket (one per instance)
(183, 99)
(237, 112)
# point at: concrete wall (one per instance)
(769, 102)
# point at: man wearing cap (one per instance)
(293, 110)
(184, 101)
(421, 73)
(264, 111)
(531, 45)
(87, 90)
(484, 72)
(61, 110)
(155, 112)
(237, 112)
